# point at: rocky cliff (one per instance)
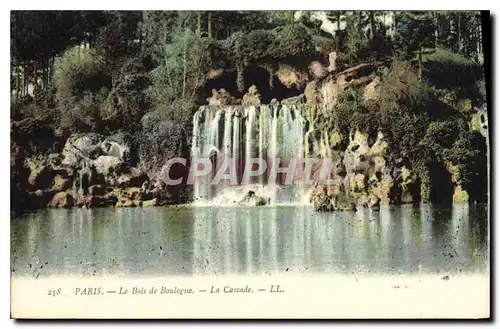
(387, 146)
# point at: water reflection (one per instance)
(249, 240)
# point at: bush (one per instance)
(469, 153)
(33, 127)
(448, 70)
(283, 42)
(162, 140)
(178, 111)
(83, 116)
(451, 141)
(440, 135)
(76, 73)
(126, 103)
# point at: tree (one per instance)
(414, 31)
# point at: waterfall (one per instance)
(237, 134)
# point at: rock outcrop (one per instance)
(221, 97)
(252, 97)
(92, 171)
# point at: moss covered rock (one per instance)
(62, 200)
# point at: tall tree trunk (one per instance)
(12, 78)
(337, 43)
(453, 33)
(460, 45)
(26, 78)
(47, 70)
(372, 27)
(35, 78)
(436, 31)
(395, 21)
(420, 63)
(209, 27)
(18, 80)
(198, 26)
(479, 39)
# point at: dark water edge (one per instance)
(428, 239)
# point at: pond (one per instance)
(130, 242)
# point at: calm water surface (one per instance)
(238, 240)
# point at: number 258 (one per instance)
(54, 292)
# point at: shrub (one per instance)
(126, 103)
(83, 116)
(446, 69)
(77, 72)
(33, 127)
(292, 40)
(162, 140)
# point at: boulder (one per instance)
(290, 77)
(129, 193)
(96, 201)
(221, 97)
(154, 190)
(323, 201)
(320, 198)
(372, 90)
(118, 146)
(149, 203)
(103, 201)
(318, 70)
(107, 164)
(62, 200)
(84, 149)
(252, 97)
(61, 183)
(81, 146)
(373, 202)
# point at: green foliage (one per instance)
(246, 48)
(414, 30)
(446, 69)
(453, 142)
(76, 72)
(82, 116)
(440, 135)
(33, 126)
(349, 103)
(93, 96)
(174, 83)
(162, 139)
(469, 154)
(354, 43)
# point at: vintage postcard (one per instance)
(249, 164)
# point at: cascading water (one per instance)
(238, 134)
